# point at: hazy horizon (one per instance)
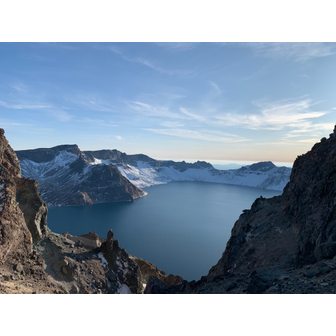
(182, 101)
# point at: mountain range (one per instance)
(69, 176)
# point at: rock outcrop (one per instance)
(33, 208)
(15, 238)
(285, 244)
(35, 260)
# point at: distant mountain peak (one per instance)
(47, 154)
(259, 166)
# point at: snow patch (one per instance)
(99, 161)
(40, 170)
(144, 175)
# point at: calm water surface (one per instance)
(181, 227)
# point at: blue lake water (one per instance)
(180, 227)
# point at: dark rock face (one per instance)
(67, 176)
(309, 199)
(285, 244)
(33, 208)
(292, 230)
(15, 238)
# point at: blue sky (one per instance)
(207, 101)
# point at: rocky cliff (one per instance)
(35, 260)
(15, 238)
(285, 244)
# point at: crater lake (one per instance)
(181, 227)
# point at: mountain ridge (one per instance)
(81, 169)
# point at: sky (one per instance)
(191, 101)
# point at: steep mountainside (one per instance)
(285, 244)
(67, 177)
(35, 260)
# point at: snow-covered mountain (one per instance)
(263, 175)
(270, 177)
(68, 175)
(144, 171)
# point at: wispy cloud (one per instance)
(19, 87)
(203, 135)
(215, 88)
(96, 122)
(155, 111)
(93, 103)
(26, 127)
(192, 115)
(307, 133)
(60, 115)
(148, 63)
(275, 116)
(172, 124)
(24, 106)
(57, 113)
(178, 46)
(297, 52)
(164, 112)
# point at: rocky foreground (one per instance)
(285, 244)
(35, 260)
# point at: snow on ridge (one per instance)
(99, 161)
(144, 175)
(37, 170)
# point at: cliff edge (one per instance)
(285, 244)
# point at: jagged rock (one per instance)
(34, 209)
(15, 238)
(273, 244)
